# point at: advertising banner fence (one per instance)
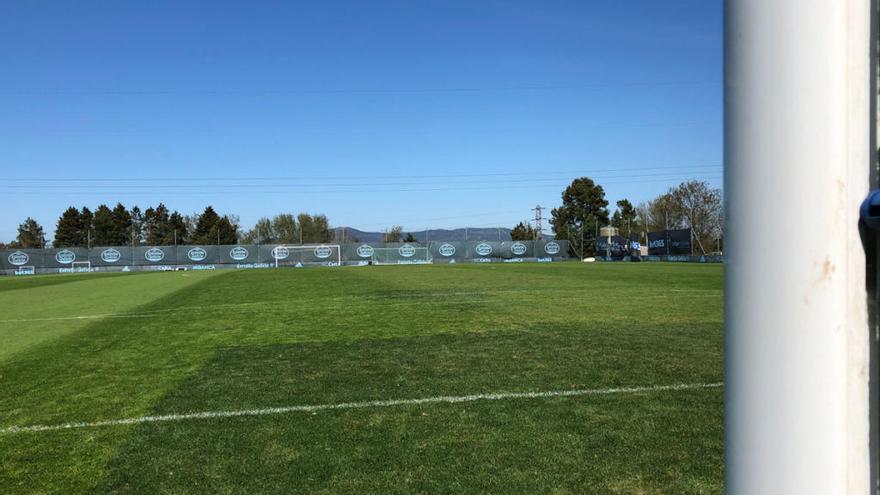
(679, 241)
(202, 257)
(670, 242)
(615, 248)
(657, 244)
(110, 256)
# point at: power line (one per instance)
(311, 130)
(353, 177)
(68, 190)
(302, 91)
(296, 186)
(434, 219)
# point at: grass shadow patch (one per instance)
(35, 281)
(648, 442)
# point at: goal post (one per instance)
(315, 255)
(403, 255)
(800, 362)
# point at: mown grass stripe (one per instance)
(355, 405)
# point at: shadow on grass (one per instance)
(34, 281)
(649, 442)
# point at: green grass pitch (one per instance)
(91, 348)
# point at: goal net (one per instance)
(297, 256)
(403, 255)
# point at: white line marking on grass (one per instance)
(84, 317)
(355, 405)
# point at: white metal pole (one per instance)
(796, 137)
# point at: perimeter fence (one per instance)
(208, 257)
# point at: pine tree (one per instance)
(206, 227)
(87, 226)
(584, 208)
(102, 225)
(69, 229)
(178, 228)
(30, 235)
(121, 232)
(625, 218)
(157, 226)
(136, 227)
(227, 231)
(522, 232)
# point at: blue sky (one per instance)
(421, 113)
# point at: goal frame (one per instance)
(81, 264)
(307, 247)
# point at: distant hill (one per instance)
(469, 233)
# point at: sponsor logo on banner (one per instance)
(196, 254)
(365, 251)
(238, 253)
(323, 252)
(636, 245)
(406, 251)
(154, 255)
(446, 250)
(483, 249)
(65, 257)
(657, 243)
(518, 248)
(110, 255)
(280, 252)
(18, 258)
(246, 266)
(551, 247)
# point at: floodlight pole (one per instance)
(797, 342)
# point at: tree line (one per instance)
(288, 229)
(159, 226)
(584, 210)
(120, 226)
